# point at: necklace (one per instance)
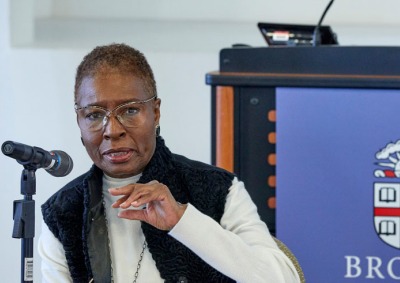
(109, 247)
(140, 261)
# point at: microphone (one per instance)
(56, 162)
(317, 34)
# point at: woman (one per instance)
(142, 213)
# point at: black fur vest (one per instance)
(75, 215)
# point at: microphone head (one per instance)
(7, 148)
(64, 164)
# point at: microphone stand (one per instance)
(24, 221)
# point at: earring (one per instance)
(157, 130)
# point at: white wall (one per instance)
(181, 41)
(305, 11)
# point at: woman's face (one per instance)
(118, 150)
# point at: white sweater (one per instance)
(240, 247)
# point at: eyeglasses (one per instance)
(130, 114)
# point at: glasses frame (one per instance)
(109, 112)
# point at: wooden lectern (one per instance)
(243, 102)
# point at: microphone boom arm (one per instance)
(317, 34)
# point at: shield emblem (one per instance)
(387, 212)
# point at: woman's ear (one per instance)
(157, 111)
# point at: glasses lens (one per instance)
(131, 115)
(92, 118)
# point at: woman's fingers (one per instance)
(135, 195)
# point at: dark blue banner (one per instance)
(338, 182)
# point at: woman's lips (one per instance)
(118, 156)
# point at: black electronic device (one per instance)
(299, 35)
(296, 35)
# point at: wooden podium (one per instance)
(243, 102)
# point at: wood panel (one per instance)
(224, 128)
